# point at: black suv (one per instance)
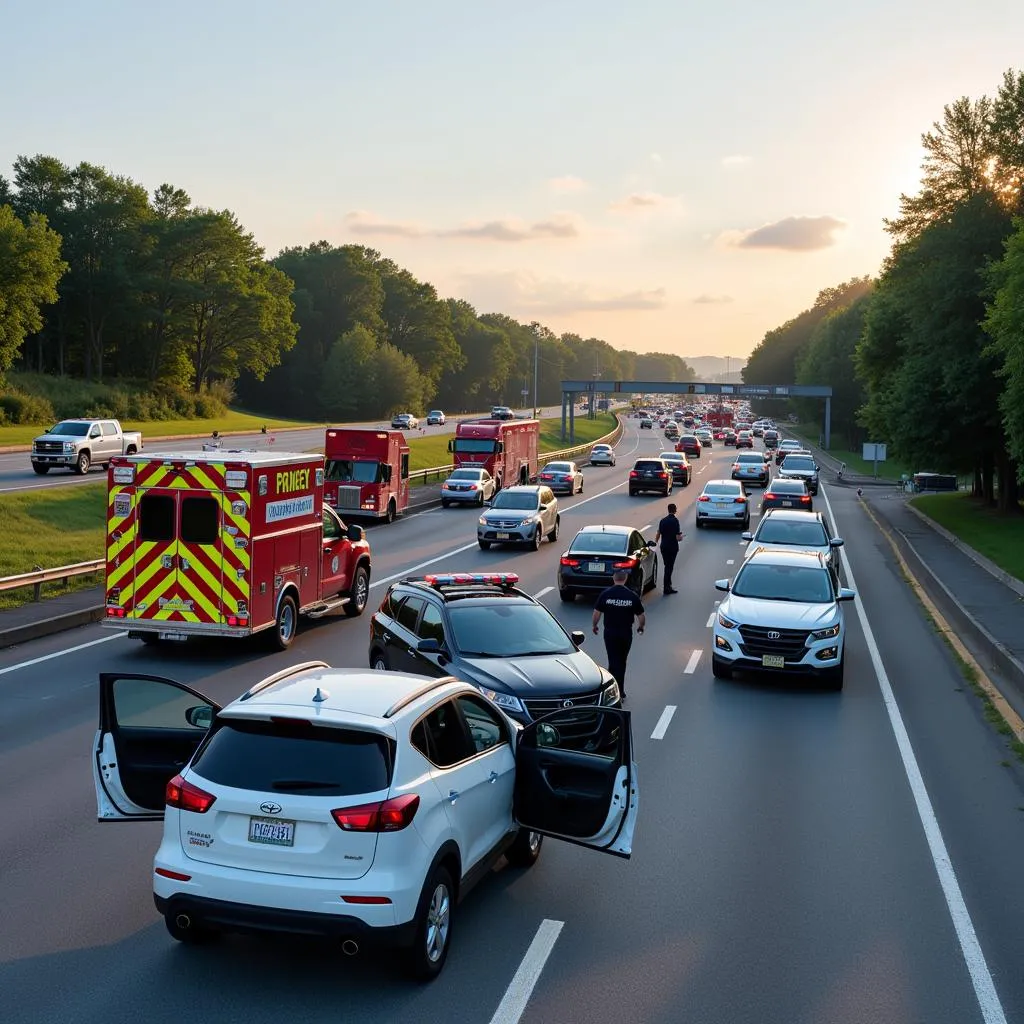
(481, 628)
(650, 475)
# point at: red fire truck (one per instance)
(367, 472)
(719, 419)
(507, 449)
(227, 543)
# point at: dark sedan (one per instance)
(597, 552)
(682, 471)
(689, 444)
(783, 493)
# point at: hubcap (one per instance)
(379, 666)
(287, 622)
(533, 841)
(438, 923)
(361, 590)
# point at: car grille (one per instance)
(503, 524)
(572, 724)
(757, 641)
(50, 447)
(348, 497)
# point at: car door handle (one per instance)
(493, 777)
(452, 796)
(387, 636)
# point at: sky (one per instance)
(668, 176)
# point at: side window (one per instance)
(639, 545)
(109, 430)
(156, 517)
(405, 465)
(200, 520)
(431, 626)
(95, 431)
(332, 531)
(390, 604)
(146, 704)
(485, 728)
(409, 613)
(445, 738)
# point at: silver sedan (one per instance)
(473, 486)
(562, 477)
(602, 455)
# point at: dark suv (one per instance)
(481, 628)
(650, 475)
(690, 445)
(771, 439)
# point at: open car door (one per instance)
(149, 729)
(576, 779)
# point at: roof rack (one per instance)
(462, 579)
(305, 666)
(415, 695)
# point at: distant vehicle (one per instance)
(502, 412)
(690, 444)
(705, 438)
(787, 493)
(751, 467)
(366, 472)
(792, 530)
(602, 455)
(506, 449)
(597, 552)
(646, 423)
(682, 471)
(785, 447)
(802, 467)
(562, 477)
(435, 418)
(723, 501)
(771, 438)
(78, 444)
(472, 484)
(404, 421)
(744, 439)
(650, 475)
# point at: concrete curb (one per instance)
(979, 559)
(849, 479)
(55, 624)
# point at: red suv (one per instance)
(690, 444)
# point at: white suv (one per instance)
(347, 803)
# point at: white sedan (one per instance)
(602, 455)
(475, 486)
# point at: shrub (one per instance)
(28, 410)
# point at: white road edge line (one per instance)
(970, 947)
(60, 654)
(662, 727)
(711, 620)
(541, 593)
(520, 988)
(691, 665)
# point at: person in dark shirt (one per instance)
(619, 605)
(669, 532)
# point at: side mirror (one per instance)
(836, 542)
(845, 594)
(200, 717)
(577, 636)
(652, 543)
(722, 585)
(547, 735)
(429, 645)
(355, 534)
(747, 536)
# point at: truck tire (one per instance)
(131, 450)
(359, 593)
(40, 468)
(392, 512)
(82, 463)
(287, 623)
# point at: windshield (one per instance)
(594, 543)
(467, 474)
(515, 499)
(351, 471)
(475, 446)
(507, 630)
(797, 462)
(774, 531)
(69, 428)
(803, 583)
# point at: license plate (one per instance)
(773, 661)
(721, 505)
(272, 831)
(503, 536)
(787, 504)
(595, 566)
(172, 636)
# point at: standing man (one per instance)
(669, 532)
(620, 606)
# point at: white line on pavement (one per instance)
(711, 620)
(60, 654)
(662, 727)
(730, 561)
(647, 527)
(541, 593)
(970, 947)
(520, 988)
(691, 665)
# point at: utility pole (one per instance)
(536, 360)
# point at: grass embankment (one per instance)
(810, 432)
(64, 525)
(998, 537)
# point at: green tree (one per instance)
(1006, 131)
(488, 358)
(398, 383)
(349, 377)
(30, 267)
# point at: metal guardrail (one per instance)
(41, 576)
(63, 573)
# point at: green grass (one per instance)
(23, 435)
(996, 536)
(809, 432)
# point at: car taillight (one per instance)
(663, 476)
(186, 797)
(768, 494)
(805, 498)
(571, 562)
(633, 472)
(390, 816)
(703, 497)
(740, 501)
(629, 563)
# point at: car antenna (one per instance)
(319, 697)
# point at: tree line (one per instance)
(929, 356)
(100, 280)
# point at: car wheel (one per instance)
(40, 468)
(445, 503)
(379, 661)
(287, 623)
(567, 594)
(391, 512)
(719, 669)
(699, 523)
(433, 926)
(359, 593)
(534, 542)
(653, 581)
(485, 545)
(553, 535)
(151, 639)
(833, 678)
(181, 928)
(581, 485)
(525, 849)
(83, 464)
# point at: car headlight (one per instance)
(69, 446)
(505, 701)
(610, 694)
(482, 521)
(825, 634)
(726, 623)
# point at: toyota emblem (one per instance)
(269, 807)
(567, 704)
(774, 634)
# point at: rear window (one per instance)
(600, 543)
(755, 458)
(771, 433)
(780, 485)
(648, 464)
(722, 488)
(276, 757)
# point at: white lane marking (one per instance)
(970, 947)
(691, 665)
(541, 593)
(730, 561)
(520, 988)
(647, 527)
(60, 654)
(662, 727)
(711, 620)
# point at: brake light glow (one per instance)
(663, 476)
(509, 579)
(629, 563)
(770, 494)
(740, 500)
(176, 875)
(115, 613)
(390, 816)
(703, 497)
(573, 562)
(186, 797)
(805, 498)
(367, 901)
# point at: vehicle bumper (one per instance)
(761, 478)
(175, 630)
(737, 514)
(473, 496)
(509, 535)
(661, 487)
(820, 656)
(602, 462)
(54, 460)
(596, 581)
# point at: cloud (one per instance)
(735, 161)
(637, 202)
(523, 294)
(795, 234)
(567, 183)
(711, 300)
(360, 222)
(657, 158)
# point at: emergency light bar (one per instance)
(504, 579)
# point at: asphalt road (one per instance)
(16, 473)
(784, 868)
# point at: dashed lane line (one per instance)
(663, 722)
(513, 1004)
(541, 593)
(691, 665)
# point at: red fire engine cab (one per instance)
(367, 472)
(227, 543)
(507, 449)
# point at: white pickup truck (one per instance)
(77, 444)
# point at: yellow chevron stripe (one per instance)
(155, 595)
